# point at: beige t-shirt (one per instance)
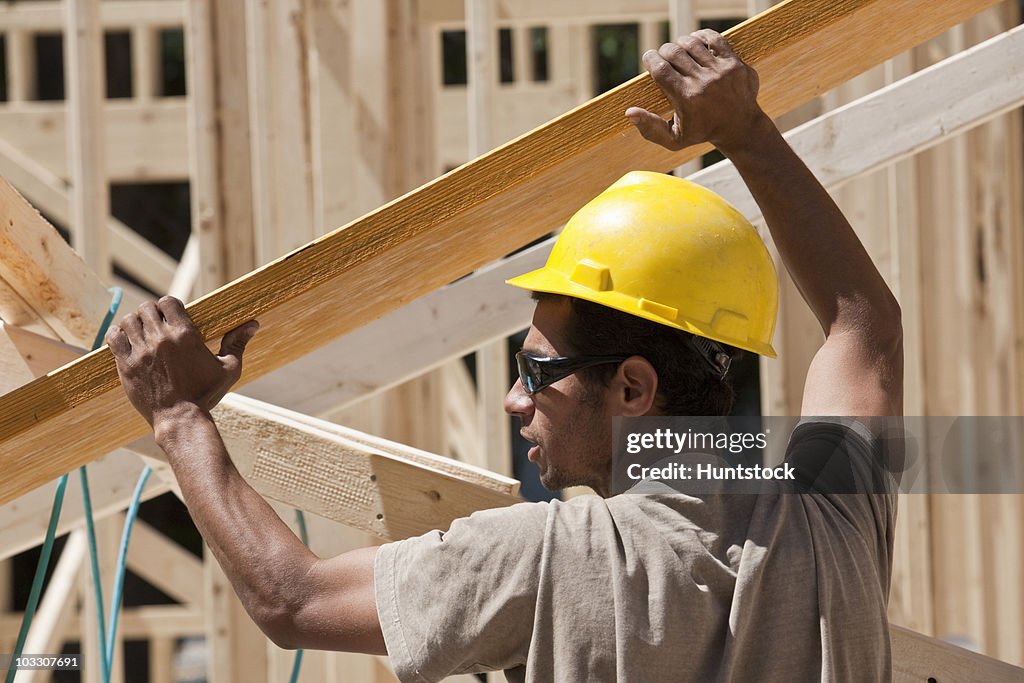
(662, 587)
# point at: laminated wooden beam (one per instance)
(878, 129)
(455, 224)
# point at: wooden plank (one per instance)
(204, 133)
(386, 489)
(443, 230)
(880, 129)
(14, 310)
(145, 141)
(48, 17)
(107, 537)
(49, 277)
(603, 11)
(916, 658)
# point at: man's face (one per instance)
(568, 422)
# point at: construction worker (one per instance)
(638, 311)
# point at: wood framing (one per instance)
(47, 192)
(441, 231)
(86, 86)
(50, 278)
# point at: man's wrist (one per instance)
(760, 132)
(169, 424)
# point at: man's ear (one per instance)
(636, 387)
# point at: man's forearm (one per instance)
(820, 250)
(260, 555)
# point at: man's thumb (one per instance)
(233, 343)
(652, 127)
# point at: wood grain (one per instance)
(455, 224)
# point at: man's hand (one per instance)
(713, 92)
(164, 364)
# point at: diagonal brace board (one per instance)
(456, 223)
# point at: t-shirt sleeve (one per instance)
(843, 462)
(461, 600)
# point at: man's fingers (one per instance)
(664, 74)
(174, 311)
(150, 317)
(132, 327)
(679, 59)
(697, 50)
(652, 127)
(715, 42)
(118, 342)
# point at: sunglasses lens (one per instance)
(529, 373)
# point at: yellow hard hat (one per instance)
(670, 251)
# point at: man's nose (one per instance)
(517, 401)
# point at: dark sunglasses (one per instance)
(537, 372)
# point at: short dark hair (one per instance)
(686, 384)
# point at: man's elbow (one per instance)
(278, 624)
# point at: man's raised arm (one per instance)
(859, 369)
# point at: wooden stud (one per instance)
(187, 274)
(236, 649)
(161, 660)
(107, 537)
(491, 359)
(145, 62)
(86, 146)
(21, 66)
(280, 124)
(221, 156)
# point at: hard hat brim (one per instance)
(553, 281)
